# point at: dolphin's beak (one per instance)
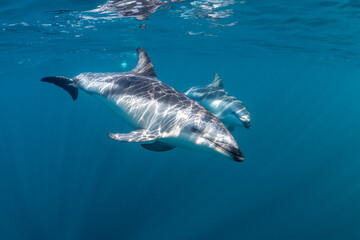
(247, 125)
(235, 153)
(231, 151)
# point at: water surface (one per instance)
(295, 66)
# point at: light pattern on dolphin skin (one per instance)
(140, 135)
(227, 108)
(151, 103)
(158, 111)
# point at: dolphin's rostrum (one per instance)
(163, 117)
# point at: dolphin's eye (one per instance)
(195, 129)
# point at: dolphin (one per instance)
(139, 9)
(163, 118)
(231, 111)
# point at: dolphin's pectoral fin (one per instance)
(144, 66)
(64, 83)
(158, 146)
(231, 128)
(140, 135)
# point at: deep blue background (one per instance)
(295, 67)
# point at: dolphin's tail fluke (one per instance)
(64, 83)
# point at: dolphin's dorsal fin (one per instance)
(144, 65)
(217, 83)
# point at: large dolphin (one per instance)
(227, 108)
(163, 117)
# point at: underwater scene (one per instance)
(217, 119)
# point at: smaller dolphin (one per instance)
(227, 108)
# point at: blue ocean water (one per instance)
(294, 65)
